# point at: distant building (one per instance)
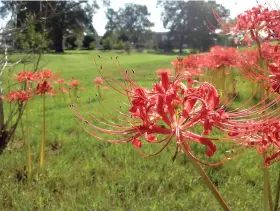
(166, 41)
(98, 43)
(162, 36)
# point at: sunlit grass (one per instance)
(82, 173)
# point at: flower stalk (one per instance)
(208, 182)
(42, 154)
(99, 93)
(27, 145)
(268, 204)
(277, 196)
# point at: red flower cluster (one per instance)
(269, 72)
(187, 111)
(26, 76)
(175, 107)
(264, 135)
(222, 57)
(45, 74)
(98, 81)
(34, 76)
(44, 87)
(21, 96)
(270, 142)
(270, 52)
(74, 83)
(60, 81)
(218, 57)
(170, 110)
(44, 82)
(256, 22)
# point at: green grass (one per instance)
(82, 173)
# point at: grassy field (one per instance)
(82, 173)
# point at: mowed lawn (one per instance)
(82, 173)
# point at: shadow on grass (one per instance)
(69, 52)
(169, 53)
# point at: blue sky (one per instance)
(235, 6)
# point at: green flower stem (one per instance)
(27, 145)
(276, 204)
(208, 183)
(268, 205)
(99, 92)
(42, 154)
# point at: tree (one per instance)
(60, 18)
(131, 24)
(32, 44)
(71, 41)
(189, 21)
(88, 41)
(71, 16)
(107, 43)
(113, 22)
(30, 40)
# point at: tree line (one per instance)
(60, 24)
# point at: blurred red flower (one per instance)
(74, 83)
(45, 87)
(20, 95)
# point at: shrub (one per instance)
(89, 42)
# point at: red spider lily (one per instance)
(274, 79)
(26, 76)
(136, 143)
(189, 65)
(192, 61)
(270, 142)
(98, 81)
(270, 52)
(178, 64)
(170, 110)
(269, 75)
(45, 74)
(64, 90)
(251, 67)
(254, 22)
(257, 126)
(263, 135)
(217, 57)
(60, 81)
(21, 96)
(247, 59)
(163, 71)
(275, 68)
(275, 83)
(222, 57)
(74, 83)
(44, 87)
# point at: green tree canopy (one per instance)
(58, 18)
(190, 21)
(130, 23)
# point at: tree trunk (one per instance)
(57, 33)
(3, 134)
(58, 40)
(181, 43)
(1, 114)
(182, 36)
(181, 48)
(58, 46)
